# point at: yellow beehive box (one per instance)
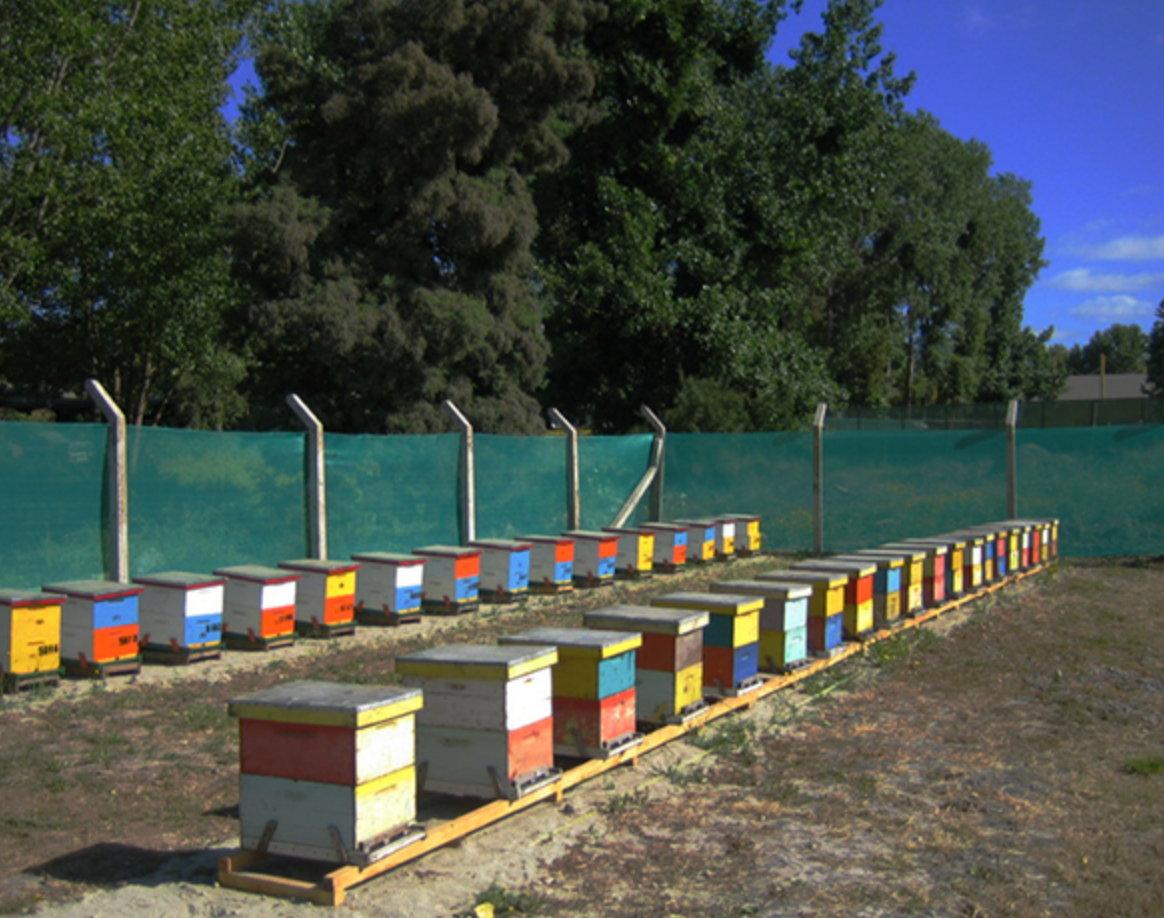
(30, 633)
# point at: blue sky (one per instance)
(1068, 94)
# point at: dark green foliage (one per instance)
(1154, 360)
(1123, 347)
(389, 249)
(114, 163)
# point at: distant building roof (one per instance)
(1115, 385)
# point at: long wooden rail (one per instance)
(241, 869)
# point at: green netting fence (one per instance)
(201, 500)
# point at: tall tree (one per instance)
(1154, 359)
(1123, 347)
(114, 162)
(640, 244)
(388, 244)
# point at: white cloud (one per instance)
(1126, 248)
(977, 20)
(1081, 280)
(1114, 307)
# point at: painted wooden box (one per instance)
(670, 546)
(725, 538)
(731, 641)
(389, 588)
(325, 599)
(595, 557)
(551, 563)
(973, 559)
(594, 688)
(99, 622)
(990, 550)
(486, 729)
(668, 665)
(701, 539)
(955, 563)
(452, 578)
(913, 572)
(888, 584)
(180, 611)
(30, 634)
(783, 651)
(636, 552)
(857, 613)
(327, 770)
(504, 568)
(933, 569)
(783, 619)
(825, 608)
(259, 606)
(748, 540)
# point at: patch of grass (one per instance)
(107, 747)
(893, 652)
(681, 776)
(1145, 765)
(203, 715)
(620, 803)
(503, 899)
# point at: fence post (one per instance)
(573, 503)
(1011, 460)
(818, 478)
(117, 522)
(317, 477)
(658, 460)
(468, 475)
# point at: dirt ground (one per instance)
(1005, 761)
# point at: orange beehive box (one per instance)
(326, 595)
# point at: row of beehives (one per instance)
(331, 772)
(102, 628)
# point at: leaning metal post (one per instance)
(317, 484)
(117, 565)
(468, 476)
(573, 501)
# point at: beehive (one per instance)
(783, 620)
(670, 546)
(594, 688)
(954, 561)
(747, 532)
(30, 637)
(504, 568)
(325, 599)
(825, 607)
(887, 584)
(991, 538)
(551, 563)
(636, 551)
(389, 588)
(452, 578)
(259, 607)
(701, 539)
(327, 771)
(595, 557)
(857, 612)
(180, 614)
(668, 665)
(99, 626)
(487, 725)
(973, 558)
(725, 538)
(934, 569)
(731, 641)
